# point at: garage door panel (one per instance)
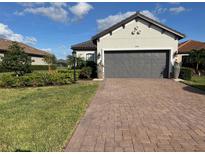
(142, 64)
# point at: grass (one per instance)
(42, 119)
(197, 82)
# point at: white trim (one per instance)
(136, 49)
(184, 54)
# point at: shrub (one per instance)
(85, 73)
(33, 68)
(35, 79)
(42, 67)
(185, 73)
(70, 73)
(2, 69)
(93, 65)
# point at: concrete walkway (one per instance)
(142, 115)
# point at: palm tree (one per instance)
(197, 57)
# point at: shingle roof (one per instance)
(4, 45)
(135, 16)
(189, 45)
(88, 45)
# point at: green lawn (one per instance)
(196, 81)
(42, 119)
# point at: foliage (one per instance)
(70, 73)
(85, 73)
(35, 79)
(50, 59)
(93, 65)
(61, 63)
(2, 69)
(33, 68)
(197, 57)
(42, 67)
(16, 60)
(82, 63)
(43, 118)
(185, 73)
(79, 62)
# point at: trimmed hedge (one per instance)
(42, 67)
(185, 73)
(35, 79)
(33, 68)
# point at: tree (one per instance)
(16, 60)
(79, 61)
(197, 57)
(50, 59)
(70, 61)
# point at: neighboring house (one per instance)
(135, 47)
(186, 47)
(37, 56)
(86, 50)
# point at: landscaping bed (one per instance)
(42, 118)
(37, 79)
(197, 82)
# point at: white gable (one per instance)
(138, 35)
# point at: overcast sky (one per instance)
(56, 26)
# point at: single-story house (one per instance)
(135, 47)
(37, 56)
(188, 46)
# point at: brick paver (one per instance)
(142, 115)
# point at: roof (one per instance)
(135, 16)
(188, 46)
(88, 45)
(4, 45)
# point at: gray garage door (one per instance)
(136, 64)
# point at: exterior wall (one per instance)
(38, 61)
(83, 54)
(123, 39)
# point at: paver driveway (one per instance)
(142, 115)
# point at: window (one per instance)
(90, 57)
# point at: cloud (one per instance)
(80, 9)
(47, 50)
(177, 10)
(104, 23)
(30, 4)
(30, 40)
(174, 3)
(159, 9)
(55, 13)
(150, 15)
(7, 33)
(59, 4)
